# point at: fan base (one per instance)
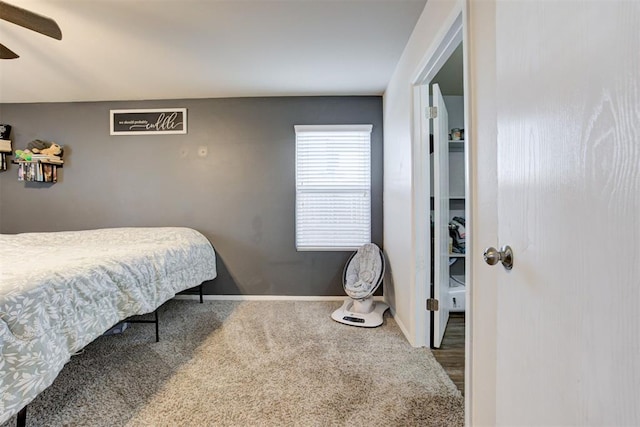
(366, 320)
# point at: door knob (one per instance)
(504, 255)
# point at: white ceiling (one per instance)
(171, 49)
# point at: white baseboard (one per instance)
(403, 328)
(264, 298)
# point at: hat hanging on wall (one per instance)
(5, 131)
(5, 144)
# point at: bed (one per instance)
(59, 291)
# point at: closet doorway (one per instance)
(441, 187)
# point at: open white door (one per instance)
(568, 202)
(441, 215)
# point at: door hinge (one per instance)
(432, 304)
(432, 112)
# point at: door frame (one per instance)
(448, 39)
(441, 215)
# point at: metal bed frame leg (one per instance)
(157, 327)
(21, 421)
(156, 321)
(200, 288)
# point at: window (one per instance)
(333, 187)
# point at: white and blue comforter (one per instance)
(59, 291)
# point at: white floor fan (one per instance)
(361, 277)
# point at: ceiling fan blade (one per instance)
(6, 53)
(30, 20)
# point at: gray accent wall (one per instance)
(241, 195)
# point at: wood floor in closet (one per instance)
(451, 353)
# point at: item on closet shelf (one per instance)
(458, 234)
(361, 277)
(456, 281)
(460, 222)
(456, 134)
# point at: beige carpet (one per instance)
(230, 363)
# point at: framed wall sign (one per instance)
(156, 121)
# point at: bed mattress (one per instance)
(59, 291)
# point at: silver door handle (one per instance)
(504, 255)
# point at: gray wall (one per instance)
(455, 110)
(241, 196)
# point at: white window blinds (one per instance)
(333, 187)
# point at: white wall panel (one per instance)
(398, 167)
